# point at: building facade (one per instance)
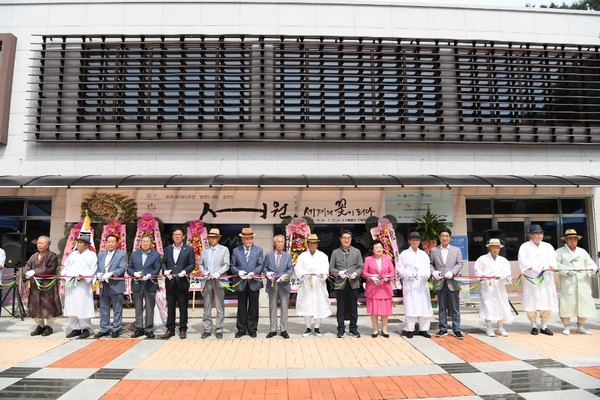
(243, 113)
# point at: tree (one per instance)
(578, 5)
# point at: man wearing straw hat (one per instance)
(575, 268)
(279, 268)
(536, 260)
(79, 299)
(214, 262)
(494, 271)
(247, 262)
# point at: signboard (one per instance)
(461, 242)
(224, 206)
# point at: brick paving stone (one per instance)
(559, 346)
(593, 371)
(472, 350)
(95, 355)
(24, 349)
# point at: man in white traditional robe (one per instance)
(312, 302)
(537, 259)
(79, 301)
(414, 269)
(575, 269)
(494, 272)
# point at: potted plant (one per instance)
(428, 227)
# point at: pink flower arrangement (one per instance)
(197, 238)
(384, 232)
(296, 233)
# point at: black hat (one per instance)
(535, 228)
(414, 235)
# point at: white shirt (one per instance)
(2, 258)
(176, 251)
(444, 254)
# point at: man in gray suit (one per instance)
(111, 264)
(446, 262)
(346, 262)
(279, 268)
(247, 262)
(213, 263)
(144, 265)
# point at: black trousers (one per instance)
(179, 296)
(347, 302)
(247, 311)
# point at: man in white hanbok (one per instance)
(414, 269)
(536, 260)
(575, 269)
(494, 272)
(312, 302)
(79, 301)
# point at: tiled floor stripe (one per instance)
(393, 387)
(472, 350)
(96, 355)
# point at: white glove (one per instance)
(215, 275)
(436, 275)
(448, 275)
(167, 274)
(270, 275)
(354, 275)
(147, 276)
(242, 274)
(29, 273)
(181, 274)
(282, 278)
(138, 274)
(386, 278)
(250, 275)
(509, 280)
(106, 276)
(537, 270)
(571, 273)
(343, 274)
(323, 276)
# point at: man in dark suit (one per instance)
(279, 268)
(111, 264)
(446, 262)
(177, 264)
(144, 265)
(247, 262)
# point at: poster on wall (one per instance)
(252, 206)
(406, 205)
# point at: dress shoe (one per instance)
(425, 334)
(441, 333)
(583, 331)
(340, 334)
(285, 335)
(115, 334)
(385, 335)
(546, 331)
(84, 334)
(458, 335)
(101, 334)
(38, 331)
(408, 334)
(355, 334)
(150, 335)
(205, 335)
(271, 334)
(252, 335)
(47, 331)
(307, 332)
(490, 332)
(318, 332)
(182, 335)
(167, 335)
(219, 335)
(137, 333)
(239, 334)
(374, 334)
(73, 333)
(502, 332)
(534, 331)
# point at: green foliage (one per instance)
(429, 225)
(578, 5)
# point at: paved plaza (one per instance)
(520, 366)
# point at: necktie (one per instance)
(211, 259)
(277, 259)
(109, 257)
(247, 254)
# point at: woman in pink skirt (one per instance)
(379, 271)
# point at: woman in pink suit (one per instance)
(379, 271)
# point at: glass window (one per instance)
(12, 207)
(479, 206)
(39, 208)
(526, 207)
(572, 206)
(476, 232)
(580, 225)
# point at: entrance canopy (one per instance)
(297, 181)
